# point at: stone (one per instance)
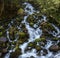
(3, 39)
(54, 48)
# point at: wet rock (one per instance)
(28, 49)
(15, 54)
(59, 44)
(54, 48)
(45, 52)
(32, 57)
(23, 35)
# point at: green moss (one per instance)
(31, 24)
(40, 39)
(32, 44)
(48, 7)
(20, 11)
(13, 32)
(1, 33)
(55, 39)
(38, 48)
(16, 53)
(31, 20)
(22, 34)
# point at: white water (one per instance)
(34, 34)
(56, 34)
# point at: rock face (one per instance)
(54, 48)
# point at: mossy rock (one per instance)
(31, 20)
(12, 33)
(23, 28)
(55, 39)
(1, 33)
(22, 34)
(47, 27)
(22, 40)
(20, 11)
(54, 48)
(31, 44)
(38, 48)
(40, 40)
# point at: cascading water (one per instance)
(34, 34)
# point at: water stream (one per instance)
(34, 34)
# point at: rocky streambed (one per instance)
(30, 35)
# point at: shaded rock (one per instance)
(45, 52)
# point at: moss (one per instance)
(40, 39)
(22, 34)
(31, 20)
(13, 32)
(1, 33)
(55, 39)
(48, 7)
(20, 11)
(47, 27)
(16, 53)
(38, 48)
(31, 24)
(32, 44)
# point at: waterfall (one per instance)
(34, 34)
